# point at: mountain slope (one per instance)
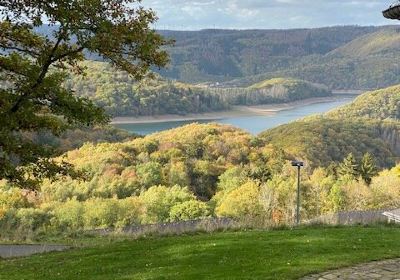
(343, 57)
(279, 90)
(368, 60)
(369, 124)
(381, 42)
(218, 55)
(120, 95)
(381, 104)
(321, 140)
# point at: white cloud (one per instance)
(243, 14)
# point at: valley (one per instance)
(224, 153)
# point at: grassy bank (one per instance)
(281, 254)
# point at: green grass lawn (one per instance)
(280, 254)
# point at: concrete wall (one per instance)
(351, 218)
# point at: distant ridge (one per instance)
(341, 57)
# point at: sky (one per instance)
(266, 14)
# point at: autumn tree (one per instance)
(33, 66)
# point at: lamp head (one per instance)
(297, 163)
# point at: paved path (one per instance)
(383, 270)
(12, 251)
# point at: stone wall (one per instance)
(351, 218)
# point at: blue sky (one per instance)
(266, 14)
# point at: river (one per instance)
(253, 124)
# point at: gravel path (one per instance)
(12, 251)
(383, 270)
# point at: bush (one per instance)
(95, 213)
(13, 198)
(149, 174)
(386, 190)
(32, 219)
(160, 200)
(242, 202)
(131, 211)
(68, 215)
(101, 213)
(189, 210)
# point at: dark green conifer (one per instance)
(368, 168)
(349, 167)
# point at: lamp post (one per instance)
(299, 165)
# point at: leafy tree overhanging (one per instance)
(33, 67)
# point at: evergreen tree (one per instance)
(368, 168)
(349, 167)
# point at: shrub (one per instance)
(68, 215)
(149, 174)
(386, 190)
(101, 213)
(13, 198)
(242, 202)
(159, 201)
(32, 219)
(189, 210)
(131, 211)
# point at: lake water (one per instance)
(253, 124)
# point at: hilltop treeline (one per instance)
(76, 137)
(120, 95)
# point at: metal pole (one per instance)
(298, 196)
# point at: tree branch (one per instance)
(42, 75)
(64, 55)
(30, 52)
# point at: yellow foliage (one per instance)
(241, 202)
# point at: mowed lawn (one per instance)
(280, 254)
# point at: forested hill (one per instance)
(329, 56)
(120, 95)
(342, 57)
(370, 123)
(226, 54)
(383, 104)
(322, 140)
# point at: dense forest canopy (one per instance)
(342, 57)
(210, 170)
(370, 123)
(121, 95)
(225, 54)
(196, 171)
(349, 57)
(383, 104)
(322, 140)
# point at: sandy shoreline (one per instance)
(236, 111)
